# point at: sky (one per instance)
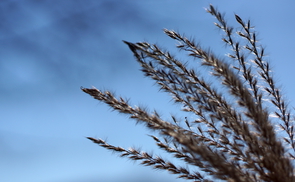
(50, 48)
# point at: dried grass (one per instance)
(227, 141)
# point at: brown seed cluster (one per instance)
(232, 136)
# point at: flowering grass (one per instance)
(233, 136)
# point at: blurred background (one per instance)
(49, 48)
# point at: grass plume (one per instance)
(229, 141)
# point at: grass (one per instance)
(233, 136)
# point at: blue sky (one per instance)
(48, 49)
